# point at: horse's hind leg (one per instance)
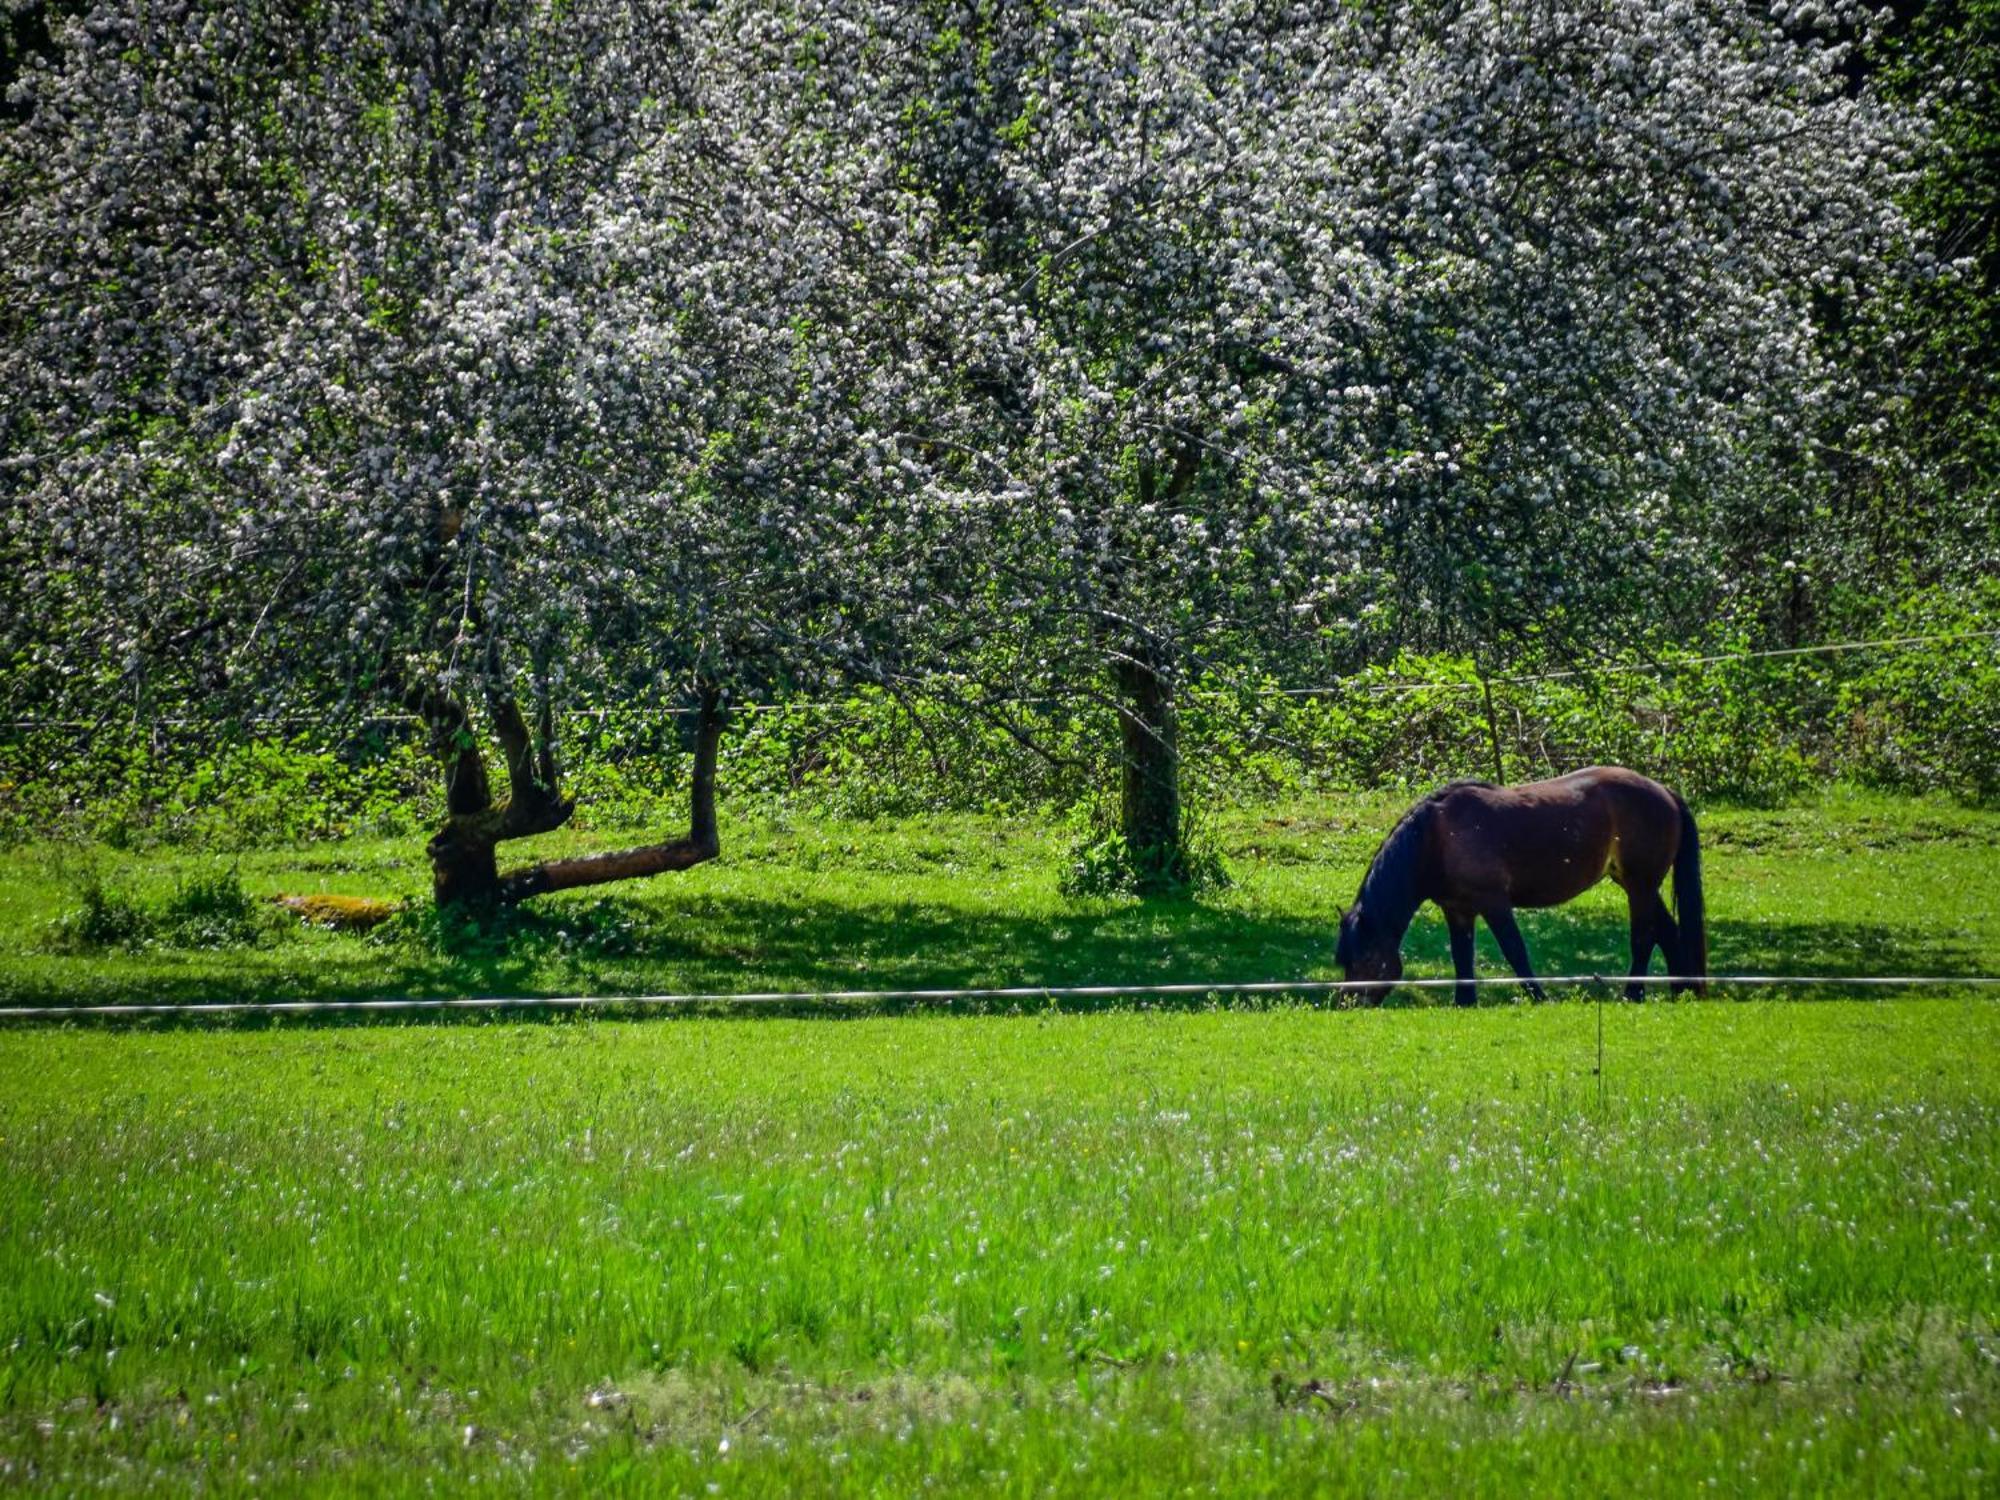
(1460, 929)
(1501, 920)
(1647, 912)
(1667, 933)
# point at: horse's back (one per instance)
(1629, 796)
(1644, 808)
(1576, 794)
(1542, 843)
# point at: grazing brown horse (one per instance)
(1480, 850)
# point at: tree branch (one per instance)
(701, 844)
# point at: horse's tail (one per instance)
(1688, 907)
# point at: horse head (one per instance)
(1368, 954)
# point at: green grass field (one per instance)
(1278, 1250)
(1856, 885)
(1283, 1250)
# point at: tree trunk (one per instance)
(1150, 804)
(701, 844)
(463, 853)
(464, 871)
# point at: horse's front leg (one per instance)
(1501, 920)
(1459, 925)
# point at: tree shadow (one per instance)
(731, 944)
(1580, 940)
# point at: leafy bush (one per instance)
(1929, 719)
(214, 787)
(1099, 861)
(214, 911)
(105, 916)
(1924, 717)
(205, 911)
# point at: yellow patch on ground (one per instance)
(343, 913)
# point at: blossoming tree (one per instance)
(1472, 304)
(467, 357)
(459, 361)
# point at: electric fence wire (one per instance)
(945, 998)
(1455, 684)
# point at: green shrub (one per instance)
(1099, 861)
(1928, 718)
(105, 916)
(207, 911)
(1924, 717)
(214, 911)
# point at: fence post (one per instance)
(1492, 724)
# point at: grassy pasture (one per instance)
(1855, 885)
(1285, 1250)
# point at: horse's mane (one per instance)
(1389, 889)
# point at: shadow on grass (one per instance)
(1582, 943)
(736, 944)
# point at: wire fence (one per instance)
(945, 999)
(1665, 664)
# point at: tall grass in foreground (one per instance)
(1288, 1251)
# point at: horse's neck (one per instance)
(1393, 890)
(1396, 910)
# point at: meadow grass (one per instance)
(1286, 1249)
(1854, 885)
(1281, 1249)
